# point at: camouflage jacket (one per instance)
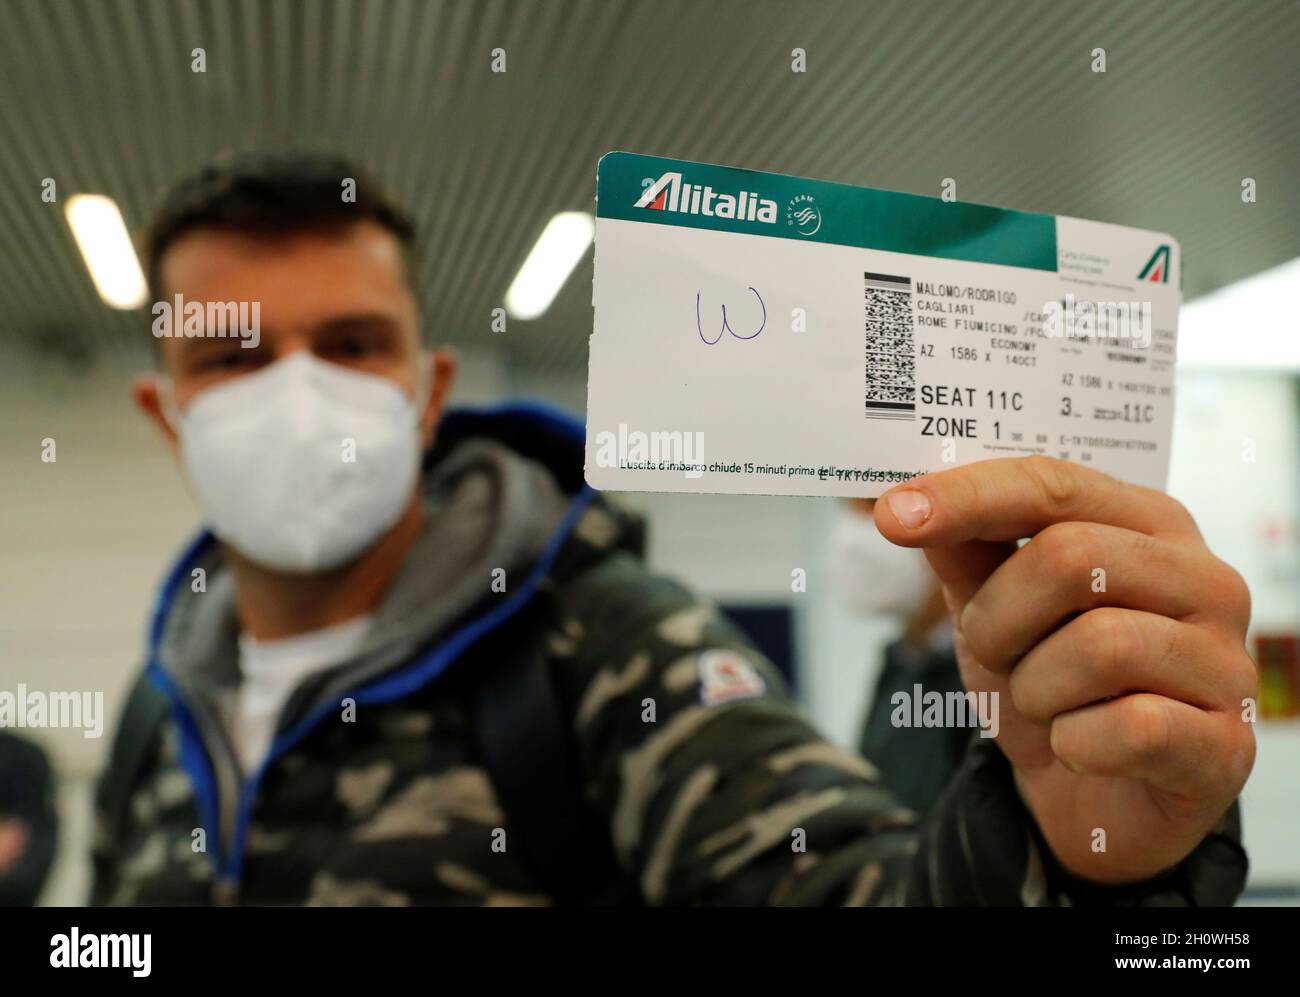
(707, 784)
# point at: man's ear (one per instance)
(147, 392)
(443, 364)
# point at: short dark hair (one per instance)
(270, 194)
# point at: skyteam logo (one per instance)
(802, 212)
(671, 193)
(1157, 269)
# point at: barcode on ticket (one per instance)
(890, 350)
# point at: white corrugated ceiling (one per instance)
(998, 95)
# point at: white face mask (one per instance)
(873, 575)
(303, 465)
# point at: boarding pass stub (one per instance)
(766, 334)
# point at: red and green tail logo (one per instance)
(1157, 268)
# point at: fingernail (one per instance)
(911, 509)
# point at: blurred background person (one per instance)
(28, 824)
(877, 578)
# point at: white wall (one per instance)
(84, 541)
(1236, 465)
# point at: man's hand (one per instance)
(1115, 642)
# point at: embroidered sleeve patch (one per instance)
(726, 676)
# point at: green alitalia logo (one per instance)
(659, 191)
(1157, 269)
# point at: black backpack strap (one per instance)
(532, 760)
(146, 709)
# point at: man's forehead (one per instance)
(205, 260)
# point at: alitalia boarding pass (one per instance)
(766, 334)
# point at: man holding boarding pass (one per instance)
(358, 709)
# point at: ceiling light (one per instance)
(558, 250)
(106, 247)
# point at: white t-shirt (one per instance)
(272, 670)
